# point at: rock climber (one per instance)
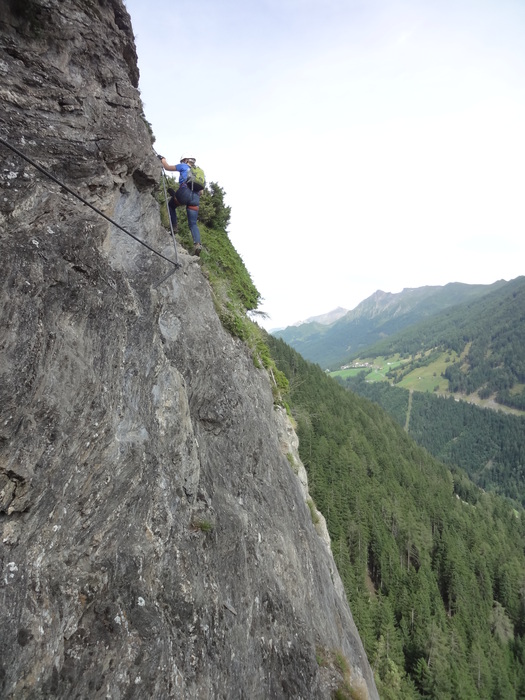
(185, 196)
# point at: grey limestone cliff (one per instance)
(155, 541)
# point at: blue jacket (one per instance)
(183, 169)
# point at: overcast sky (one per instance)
(362, 144)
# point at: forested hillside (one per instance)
(436, 581)
(380, 316)
(487, 337)
(488, 445)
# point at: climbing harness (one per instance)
(175, 262)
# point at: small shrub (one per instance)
(342, 693)
(345, 690)
(341, 662)
(322, 657)
(313, 511)
(202, 525)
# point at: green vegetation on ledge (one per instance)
(234, 292)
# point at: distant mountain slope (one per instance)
(488, 336)
(323, 320)
(328, 318)
(381, 315)
(488, 445)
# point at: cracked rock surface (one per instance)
(155, 541)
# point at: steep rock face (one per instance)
(155, 541)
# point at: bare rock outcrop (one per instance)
(155, 540)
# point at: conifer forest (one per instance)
(433, 565)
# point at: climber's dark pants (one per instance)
(191, 200)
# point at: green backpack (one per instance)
(196, 179)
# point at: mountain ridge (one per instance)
(481, 341)
(381, 315)
(323, 319)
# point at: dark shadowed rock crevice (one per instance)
(155, 541)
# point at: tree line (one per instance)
(488, 445)
(433, 566)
